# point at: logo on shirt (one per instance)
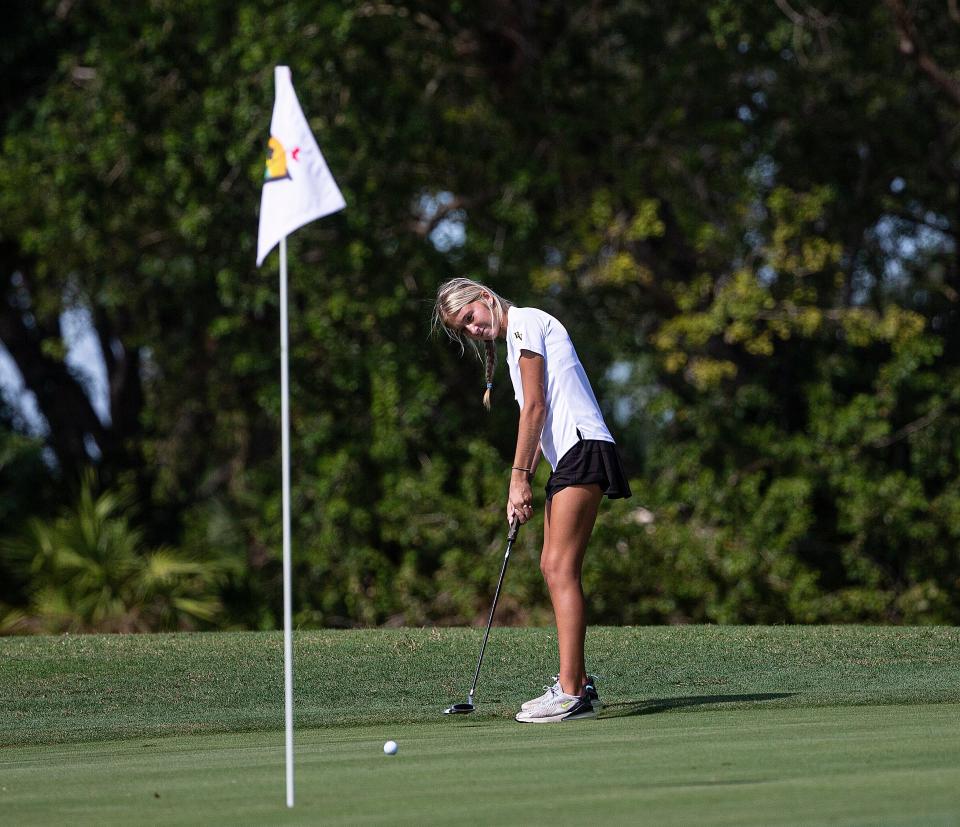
(518, 335)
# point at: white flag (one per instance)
(297, 186)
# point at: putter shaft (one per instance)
(514, 529)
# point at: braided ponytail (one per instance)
(490, 364)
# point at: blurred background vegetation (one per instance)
(745, 212)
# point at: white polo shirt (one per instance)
(571, 403)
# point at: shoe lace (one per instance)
(550, 687)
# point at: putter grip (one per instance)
(514, 529)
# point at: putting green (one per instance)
(843, 765)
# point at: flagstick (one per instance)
(287, 596)
(298, 188)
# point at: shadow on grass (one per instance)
(655, 705)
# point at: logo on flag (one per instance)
(276, 167)
(301, 188)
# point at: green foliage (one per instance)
(22, 479)
(89, 571)
(749, 214)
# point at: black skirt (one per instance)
(591, 462)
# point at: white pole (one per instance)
(287, 587)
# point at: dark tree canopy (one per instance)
(746, 214)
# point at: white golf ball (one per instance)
(390, 748)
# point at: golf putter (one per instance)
(465, 708)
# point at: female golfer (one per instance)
(560, 420)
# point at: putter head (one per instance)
(459, 709)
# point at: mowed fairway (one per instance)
(785, 733)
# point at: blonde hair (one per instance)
(452, 297)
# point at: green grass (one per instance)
(854, 765)
(735, 725)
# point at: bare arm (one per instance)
(536, 462)
(527, 455)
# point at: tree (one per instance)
(757, 260)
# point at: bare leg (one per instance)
(568, 524)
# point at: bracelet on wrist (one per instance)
(518, 468)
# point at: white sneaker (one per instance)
(561, 707)
(590, 689)
(546, 696)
